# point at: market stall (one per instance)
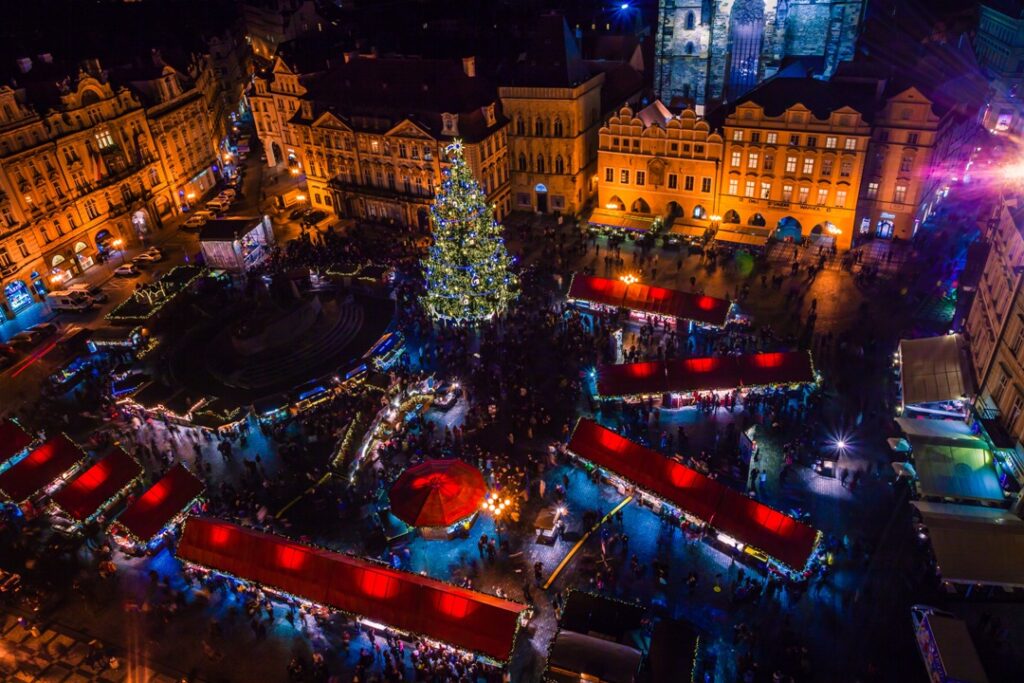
(646, 299)
(14, 443)
(160, 506)
(962, 471)
(381, 596)
(742, 523)
(43, 470)
(95, 490)
(934, 375)
(440, 497)
(716, 373)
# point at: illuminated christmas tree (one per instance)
(467, 269)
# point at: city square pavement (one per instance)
(852, 625)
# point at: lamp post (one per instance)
(117, 244)
(496, 506)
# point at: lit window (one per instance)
(899, 195)
(808, 165)
(752, 160)
(748, 189)
(737, 136)
(766, 190)
(830, 142)
(771, 138)
(787, 193)
(737, 159)
(790, 164)
(624, 176)
(822, 196)
(872, 190)
(840, 198)
(734, 186)
(802, 195)
(850, 143)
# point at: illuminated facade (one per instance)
(655, 163)
(716, 50)
(995, 325)
(94, 159)
(999, 44)
(369, 133)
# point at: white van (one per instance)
(64, 300)
(218, 204)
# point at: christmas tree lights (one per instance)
(467, 269)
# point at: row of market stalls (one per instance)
(645, 299)
(56, 476)
(718, 373)
(380, 596)
(742, 524)
(967, 487)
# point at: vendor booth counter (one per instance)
(742, 524)
(718, 373)
(646, 299)
(410, 603)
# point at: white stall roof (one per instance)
(975, 545)
(932, 370)
(961, 472)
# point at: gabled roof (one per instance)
(821, 98)
(161, 502)
(56, 456)
(552, 57)
(87, 492)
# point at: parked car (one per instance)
(296, 214)
(66, 300)
(227, 193)
(33, 335)
(218, 205)
(314, 217)
(197, 220)
(126, 270)
(155, 252)
(144, 259)
(95, 291)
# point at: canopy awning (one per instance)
(90, 490)
(13, 440)
(744, 519)
(932, 370)
(646, 299)
(161, 503)
(621, 220)
(577, 657)
(975, 545)
(951, 431)
(40, 468)
(741, 238)
(437, 493)
(705, 374)
(950, 470)
(689, 230)
(408, 602)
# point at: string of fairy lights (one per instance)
(468, 269)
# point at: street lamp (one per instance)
(496, 506)
(117, 244)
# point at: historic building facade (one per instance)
(652, 162)
(370, 133)
(796, 172)
(710, 51)
(999, 45)
(995, 324)
(93, 159)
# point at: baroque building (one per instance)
(710, 51)
(93, 159)
(370, 133)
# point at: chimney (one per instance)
(24, 64)
(469, 66)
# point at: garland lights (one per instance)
(467, 270)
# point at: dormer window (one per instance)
(489, 115)
(449, 124)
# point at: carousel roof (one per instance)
(437, 493)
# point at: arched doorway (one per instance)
(275, 155)
(640, 206)
(103, 240)
(789, 230)
(17, 295)
(82, 255)
(140, 222)
(37, 284)
(757, 220)
(541, 191)
(700, 212)
(615, 204)
(731, 216)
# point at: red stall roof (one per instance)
(705, 374)
(87, 492)
(730, 512)
(160, 503)
(40, 468)
(647, 299)
(13, 440)
(408, 602)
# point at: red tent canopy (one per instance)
(40, 468)
(748, 521)
(408, 602)
(165, 499)
(647, 299)
(438, 493)
(87, 492)
(705, 374)
(13, 440)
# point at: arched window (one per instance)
(558, 128)
(699, 212)
(540, 163)
(559, 165)
(690, 21)
(689, 48)
(522, 161)
(520, 127)
(538, 127)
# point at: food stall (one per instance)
(94, 492)
(44, 470)
(946, 647)
(14, 443)
(141, 527)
